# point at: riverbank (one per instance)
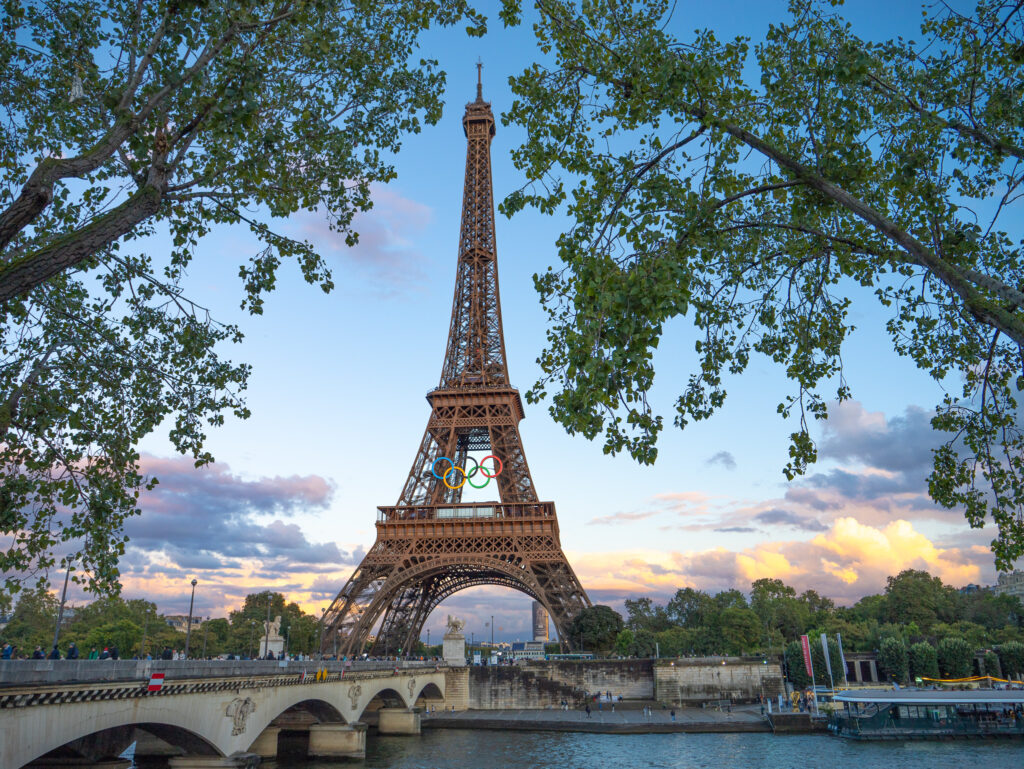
(745, 718)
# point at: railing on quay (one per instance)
(28, 672)
(465, 511)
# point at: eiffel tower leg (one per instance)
(515, 483)
(404, 619)
(563, 595)
(343, 617)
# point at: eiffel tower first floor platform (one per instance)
(425, 553)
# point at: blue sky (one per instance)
(338, 408)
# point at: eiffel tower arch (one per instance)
(431, 544)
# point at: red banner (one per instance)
(806, 646)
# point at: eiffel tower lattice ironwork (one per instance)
(431, 544)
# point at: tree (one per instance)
(596, 626)
(625, 643)
(644, 614)
(1011, 657)
(796, 671)
(741, 630)
(645, 644)
(991, 660)
(923, 661)
(892, 659)
(33, 621)
(955, 657)
(690, 608)
(761, 196)
(916, 596)
(125, 120)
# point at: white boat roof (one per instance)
(933, 696)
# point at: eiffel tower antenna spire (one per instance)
(431, 544)
(479, 81)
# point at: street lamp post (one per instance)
(252, 635)
(60, 610)
(206, 629)
(266, 640)
(188, 629)
(320, 644)
(492, 632)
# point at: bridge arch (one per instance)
(107, 743)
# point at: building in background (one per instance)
(528, 650)
(1010, 584)
(540, 622)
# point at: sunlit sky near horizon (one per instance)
(337, 397)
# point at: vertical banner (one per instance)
(828, 662)
(842, 657)
(806, 646)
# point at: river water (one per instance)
(481, 749)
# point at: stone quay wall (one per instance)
(505, 687)
(629, 679)
(699, 680)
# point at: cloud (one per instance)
(736, 529)
(723, 458)
(228, 531)
(388, 234)
(900, 444)
(786, 518)
(848, 560)
(620, 517)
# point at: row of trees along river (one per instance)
(918, 627)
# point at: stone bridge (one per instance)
(207, 713)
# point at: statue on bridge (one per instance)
(455, 625)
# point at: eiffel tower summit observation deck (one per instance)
(431, 544)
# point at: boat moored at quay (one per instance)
(915, 714)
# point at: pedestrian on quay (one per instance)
(6, 651)
(673, 713)
(38, 654)
(94, 655)
(72, 651)
(588, 710)
(114, 653)
(105, 654)
(167, 654)
(54, 653)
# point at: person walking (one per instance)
(167, 654)
(673, 714)
(6, 651)
(38, 654)
(93, 654)
(588, 710)
(114, 653)
(54, 653)
(105, 654)
(72, 651)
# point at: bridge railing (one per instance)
(27, 672)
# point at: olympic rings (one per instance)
(466, 476)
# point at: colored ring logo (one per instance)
(467, 477)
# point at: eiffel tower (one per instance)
(432, 544)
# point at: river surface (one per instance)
(481, 749)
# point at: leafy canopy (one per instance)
(760, 205)
(121, 120)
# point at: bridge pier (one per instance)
(265, 746)
(337, 740)
(398, 721)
